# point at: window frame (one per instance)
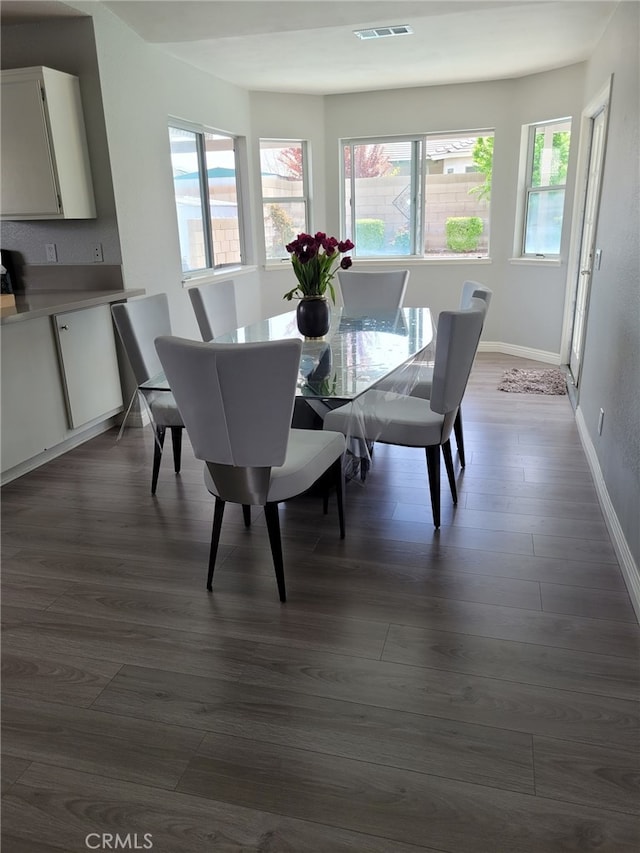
(418, 201)
(304, 199)
(528, 190)
(417, 175)
(200, 131)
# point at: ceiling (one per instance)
(304, 46)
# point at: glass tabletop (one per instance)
(355, 353)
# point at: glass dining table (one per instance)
(355, 354)
(352, 357)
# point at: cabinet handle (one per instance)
(64, 328)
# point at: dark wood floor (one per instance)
(474, 690)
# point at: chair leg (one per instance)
(218, 512)
(246, 514)
(448, 464)
(433, 469)
(273, 528)
(334, 478)
(339, 483)
(457, 431)
(176, 441)
(157, 456)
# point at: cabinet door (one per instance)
(28, 182)
(91, 379)
(33, 410)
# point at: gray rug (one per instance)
(521, 381)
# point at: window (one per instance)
(283, 169)
(426, 196)
(205, 181)
(546, 176)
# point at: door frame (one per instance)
(595, 105)
(599, 102)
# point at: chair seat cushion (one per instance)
(388, 417)
(309, 454)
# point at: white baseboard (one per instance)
(134, 418)
(628, 565)
(58, 450)
(520, 352)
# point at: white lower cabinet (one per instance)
(33, 410)
(90, 377)
(58, 375)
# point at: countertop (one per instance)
(32, 304)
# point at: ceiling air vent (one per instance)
(383, 32)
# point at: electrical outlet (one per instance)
(51, 252)
(600, 421)
(97, 253)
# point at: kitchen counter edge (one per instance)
(47, 303)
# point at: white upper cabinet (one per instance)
(45, 172)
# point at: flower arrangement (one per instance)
(316, 259)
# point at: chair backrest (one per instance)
(370, 293)
(139, 322)
(236, 400)
(471, 289)
(215, 308)
(456, 347)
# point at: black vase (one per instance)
(313, 316)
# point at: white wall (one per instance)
(611, 366)
(141, 88)
(533, 294)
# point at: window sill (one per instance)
(210, 275)
(271, 266)
(396, 263)
(420, 261)
(550, 262)
(391, 262)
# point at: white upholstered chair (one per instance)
(139, 322)
(371, 293)
(248, 459)
(418, 377)
(473, 289)
(400, 419)
(215, 308)
(368, 294)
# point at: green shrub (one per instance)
(463, 233)
(369, 236)
(401, 243)
(283, 231)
